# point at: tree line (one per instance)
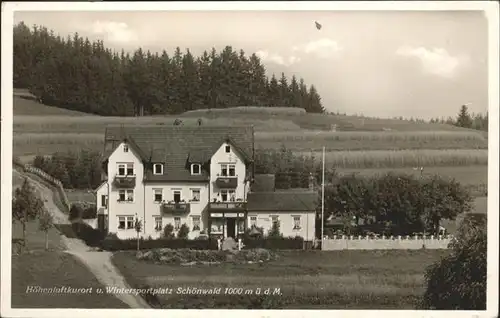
(78, 74)
(465, 119)
(75, 170)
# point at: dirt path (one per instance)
(99, 263)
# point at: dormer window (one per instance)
(228, 149)
(125, 148)
(158, 168)
(195, 169)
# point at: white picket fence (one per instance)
(45, 176)
(386, 243)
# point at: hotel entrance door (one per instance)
(231, 225)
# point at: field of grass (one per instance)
(25, 104)
(306, 279)
(369, 145)
(56, 269)
(79, 196)
(53, 268)
(361, 140)
(45, 142)
(403, 158)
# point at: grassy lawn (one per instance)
(80, 196)
(55, 269)
(306, 279)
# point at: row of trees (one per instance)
(78, 74)
(395, 204)
(466, 120)
(28, 206)
(75, 170)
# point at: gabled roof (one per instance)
(283, 201)
(130, 141)
(178, 146)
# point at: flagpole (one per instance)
(323, 200)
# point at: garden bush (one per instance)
(180, 256)
(91, 237)
(89, 212)
(274, 243)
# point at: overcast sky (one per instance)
(421, 64)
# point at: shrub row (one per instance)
(180, 256)
(274, 243)
(92, 237)
(114, 244)
(78, 212)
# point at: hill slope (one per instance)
(25, 104)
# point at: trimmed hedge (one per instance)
(92, 237)
(112, 244)
(275, 243)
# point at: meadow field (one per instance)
(365, 146)
(305, 279)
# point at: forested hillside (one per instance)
(77, 74)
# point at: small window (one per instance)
(126, 195)
(232, 170)
(130, 169)
(177, 223)
(121, 223)
(122, 169)
(125, 222)
(130, 222)
(253, 221)
(223, 170)
(196, 223)
(104, 202)
(274, 219)
(158, 223)
(125, 148)
(177, 196)
(195, 195)
(121, 195)
(158, 168)
(158, 195)
(195, 169)
(296, 223)
(228, 195)
(228, 148)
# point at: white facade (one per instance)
(125, 203)
(194, 194)
(227, 162)
(291, 223)
(146, 200)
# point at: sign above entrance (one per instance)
(227, 215)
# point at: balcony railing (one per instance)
(175, 207)
(226, 181)
(227, 206)
(124, 181)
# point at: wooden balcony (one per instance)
(227, 182)
(237, 206)
(175, 207)
(126, 182)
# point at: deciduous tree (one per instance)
(26, 205)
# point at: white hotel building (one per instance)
(199, 176)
